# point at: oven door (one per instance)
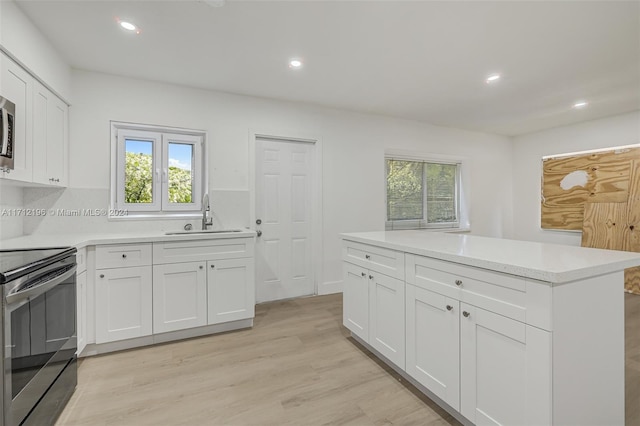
(40, 335)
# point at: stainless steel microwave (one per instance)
(7, 127)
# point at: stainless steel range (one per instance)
(39, 334)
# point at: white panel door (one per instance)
(355, 300)
(493, 368)
(284, 173)
(17, 86)
(123, 303)
(433, 343)
(386, 316)
(231, 293)
(179, 296)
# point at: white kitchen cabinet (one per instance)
(179, 296)
(231, 290)
(355, 300)
(433, 343)
(17, 86)
(81, 311)
(50, 137)
(374, 298)
(123, 303)
(386, 316)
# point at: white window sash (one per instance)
(155, 139)
(197, 166)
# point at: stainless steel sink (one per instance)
(207, 231)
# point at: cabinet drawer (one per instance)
(202, 250)
(500, 293)
(81, 260)
(123, 255)
(385, 261)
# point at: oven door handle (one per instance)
(40, 288)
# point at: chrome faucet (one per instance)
(206, 221)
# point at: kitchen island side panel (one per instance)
(588, 351)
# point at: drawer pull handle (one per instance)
(449, 307)
(213, 266)
(367, 256)
(363, 274)
(124, 256)
(200, 266)
(101, 275)
(370, 277)
(466, 314)
(458, 282)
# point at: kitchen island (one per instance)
(495, 331)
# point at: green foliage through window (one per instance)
(421, 191)
(139, 180)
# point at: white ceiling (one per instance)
(420, 60)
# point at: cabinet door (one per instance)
(505, 370)
(50, 146)
(179, 296)
(81, 311)
(386, 317)
(17, 86)
(231, 290)
(355, 301)
(433, 343)
(123, 303)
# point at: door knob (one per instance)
(259, 233)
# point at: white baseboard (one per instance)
(330, 287)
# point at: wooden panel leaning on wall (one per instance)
(570, 181)
(609, 226)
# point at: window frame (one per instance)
(461, 192)
(161, 137)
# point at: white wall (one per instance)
(528, 151)
(353, 150)
(22, 40)
(11, 221)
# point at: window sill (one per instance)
(123, 215)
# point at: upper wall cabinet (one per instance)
(50, 129)
(41, 130)
(17, 86)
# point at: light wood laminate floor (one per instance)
(297, 366)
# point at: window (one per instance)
(423, 193)
(158, 171)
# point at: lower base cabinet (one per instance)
(179, 296)
(230, 290)
(433, 343)
(123, 303)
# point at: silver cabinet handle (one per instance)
(466, 314)
(124, 256)
(201, 266)
(259, 233)
(370, 277)
(458, 282)
(449, 307)
(213, 266)
(101, 275)
(363, 274)
(366, 256)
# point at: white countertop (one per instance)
(541, 261)
(83, 240)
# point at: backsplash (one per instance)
(11, 217)
(78, 211)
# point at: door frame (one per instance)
(316, 194)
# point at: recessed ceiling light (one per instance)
(129, 26)
(295, 63)
(580, 105)
(493, 78)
